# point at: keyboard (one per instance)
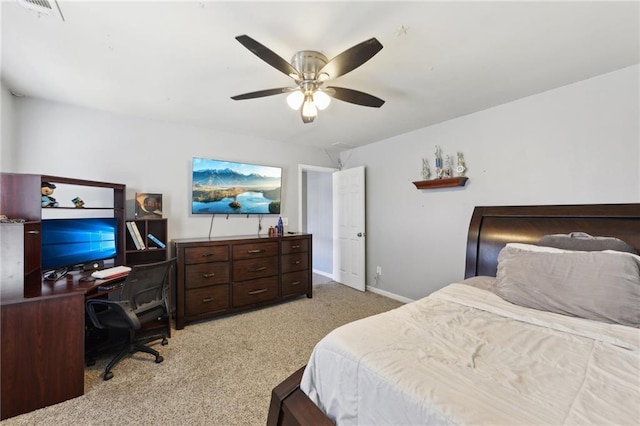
(110, 286)
(110, 272)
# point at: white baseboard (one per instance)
(323, 273)
(389, 295)
(371, 289)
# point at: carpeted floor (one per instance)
(215, 372)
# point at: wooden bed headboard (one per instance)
(491, 228)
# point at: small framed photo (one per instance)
(148, 206)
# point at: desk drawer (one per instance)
(206, 254)
(253, 250)
(255, 268)
(206, 274)
(207, 299)
(295, 283)
(295, 262)
(255, 291)
(295, 245)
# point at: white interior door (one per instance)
(349, 228)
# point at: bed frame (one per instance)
(490, 229)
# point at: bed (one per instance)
(501, 346)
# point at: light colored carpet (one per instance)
(215, 372)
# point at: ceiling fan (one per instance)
(311, 70)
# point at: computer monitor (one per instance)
(70, 242)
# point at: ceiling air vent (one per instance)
(44, 7)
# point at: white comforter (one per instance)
(464, 356)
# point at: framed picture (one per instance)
(148, 206)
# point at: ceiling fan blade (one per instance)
(261, 93)
(354, 96)
(268, 56)
(351, 58)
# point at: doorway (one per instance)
(315, 214)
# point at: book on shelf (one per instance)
(148, 206)
(134, 237)
(156, 240)
(136, 231)
(139, 235)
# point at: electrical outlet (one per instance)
(379, 270)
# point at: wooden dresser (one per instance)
(219, 276)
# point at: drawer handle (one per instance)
(295, 247)
(255, 251)
(257, 269)
(33, 232)
(262, 290)
(295, 262)
(209, 275)
(207, 300)
(295, 283)
(207, 254)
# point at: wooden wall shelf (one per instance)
(77, 208)
(441, 183)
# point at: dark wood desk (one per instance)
(43, 342)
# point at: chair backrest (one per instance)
(146, 286)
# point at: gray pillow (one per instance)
(584, 242)
(598, 285)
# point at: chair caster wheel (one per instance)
(90, 362)
(108, 376)
(164, 342)
(159, 359)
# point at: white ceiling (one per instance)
(179, 60)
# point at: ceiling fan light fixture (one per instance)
(295, 99)
(311, 69)
(321, 99)
(308, 107)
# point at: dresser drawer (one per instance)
(295, 283)
(206, 299)
(205, 274)
(255, 291)
(255, 268)
(295, 245)
(206, 254)
(295, 262)
(253, 250)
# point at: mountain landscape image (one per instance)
(224, 187)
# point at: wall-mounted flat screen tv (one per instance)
(234, 188)
(70, 242)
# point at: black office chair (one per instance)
(142, 300)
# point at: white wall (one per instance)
(7, 134)
(576, 144)
(148, 156)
